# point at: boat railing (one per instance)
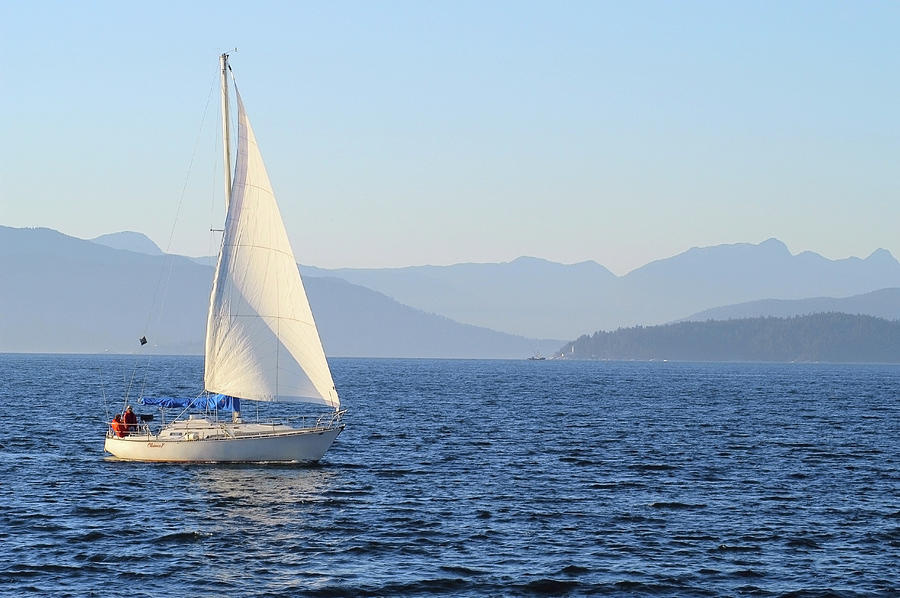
(324, 421)
(142, 429)
(331, 419)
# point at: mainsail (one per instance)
(261, 340)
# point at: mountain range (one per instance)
(74, 295)
(130, 241)
(63, 294)
(884, 303)
(534, 297)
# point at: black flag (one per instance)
(143, 340)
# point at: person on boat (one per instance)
(118, 426)
(130, 420)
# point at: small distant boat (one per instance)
(537, 357)
(262, 343)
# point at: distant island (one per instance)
(829, 337)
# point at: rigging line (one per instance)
(187, 174)
(103, 392)
(128, 387)
(169, 267)
(160, 293)
(213, 196)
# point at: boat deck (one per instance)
(202, 428)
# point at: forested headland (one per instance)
(829, 337)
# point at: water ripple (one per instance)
(473, 478)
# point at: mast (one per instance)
(226, 141)
(226, 147)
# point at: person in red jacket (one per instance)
(130, 420)
(118, 426)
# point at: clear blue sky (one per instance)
(400, 133)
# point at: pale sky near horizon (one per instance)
(406, 133)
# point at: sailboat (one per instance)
(262, 343)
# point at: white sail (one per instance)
(261, 339)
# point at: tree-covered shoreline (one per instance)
(829, 337)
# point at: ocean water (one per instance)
(470, 478)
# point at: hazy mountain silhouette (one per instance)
(535, 297)
(528, 297)
(884, 303)
(141, 243)
(62, 294)
(129, 241)
(708, 277)
(526, 294)
(355, 321)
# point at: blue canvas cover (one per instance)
(209, 402)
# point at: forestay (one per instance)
(261, 339)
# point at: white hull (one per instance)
(188, 442)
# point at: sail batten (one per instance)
(261, 342)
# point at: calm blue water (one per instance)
(472, 478)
